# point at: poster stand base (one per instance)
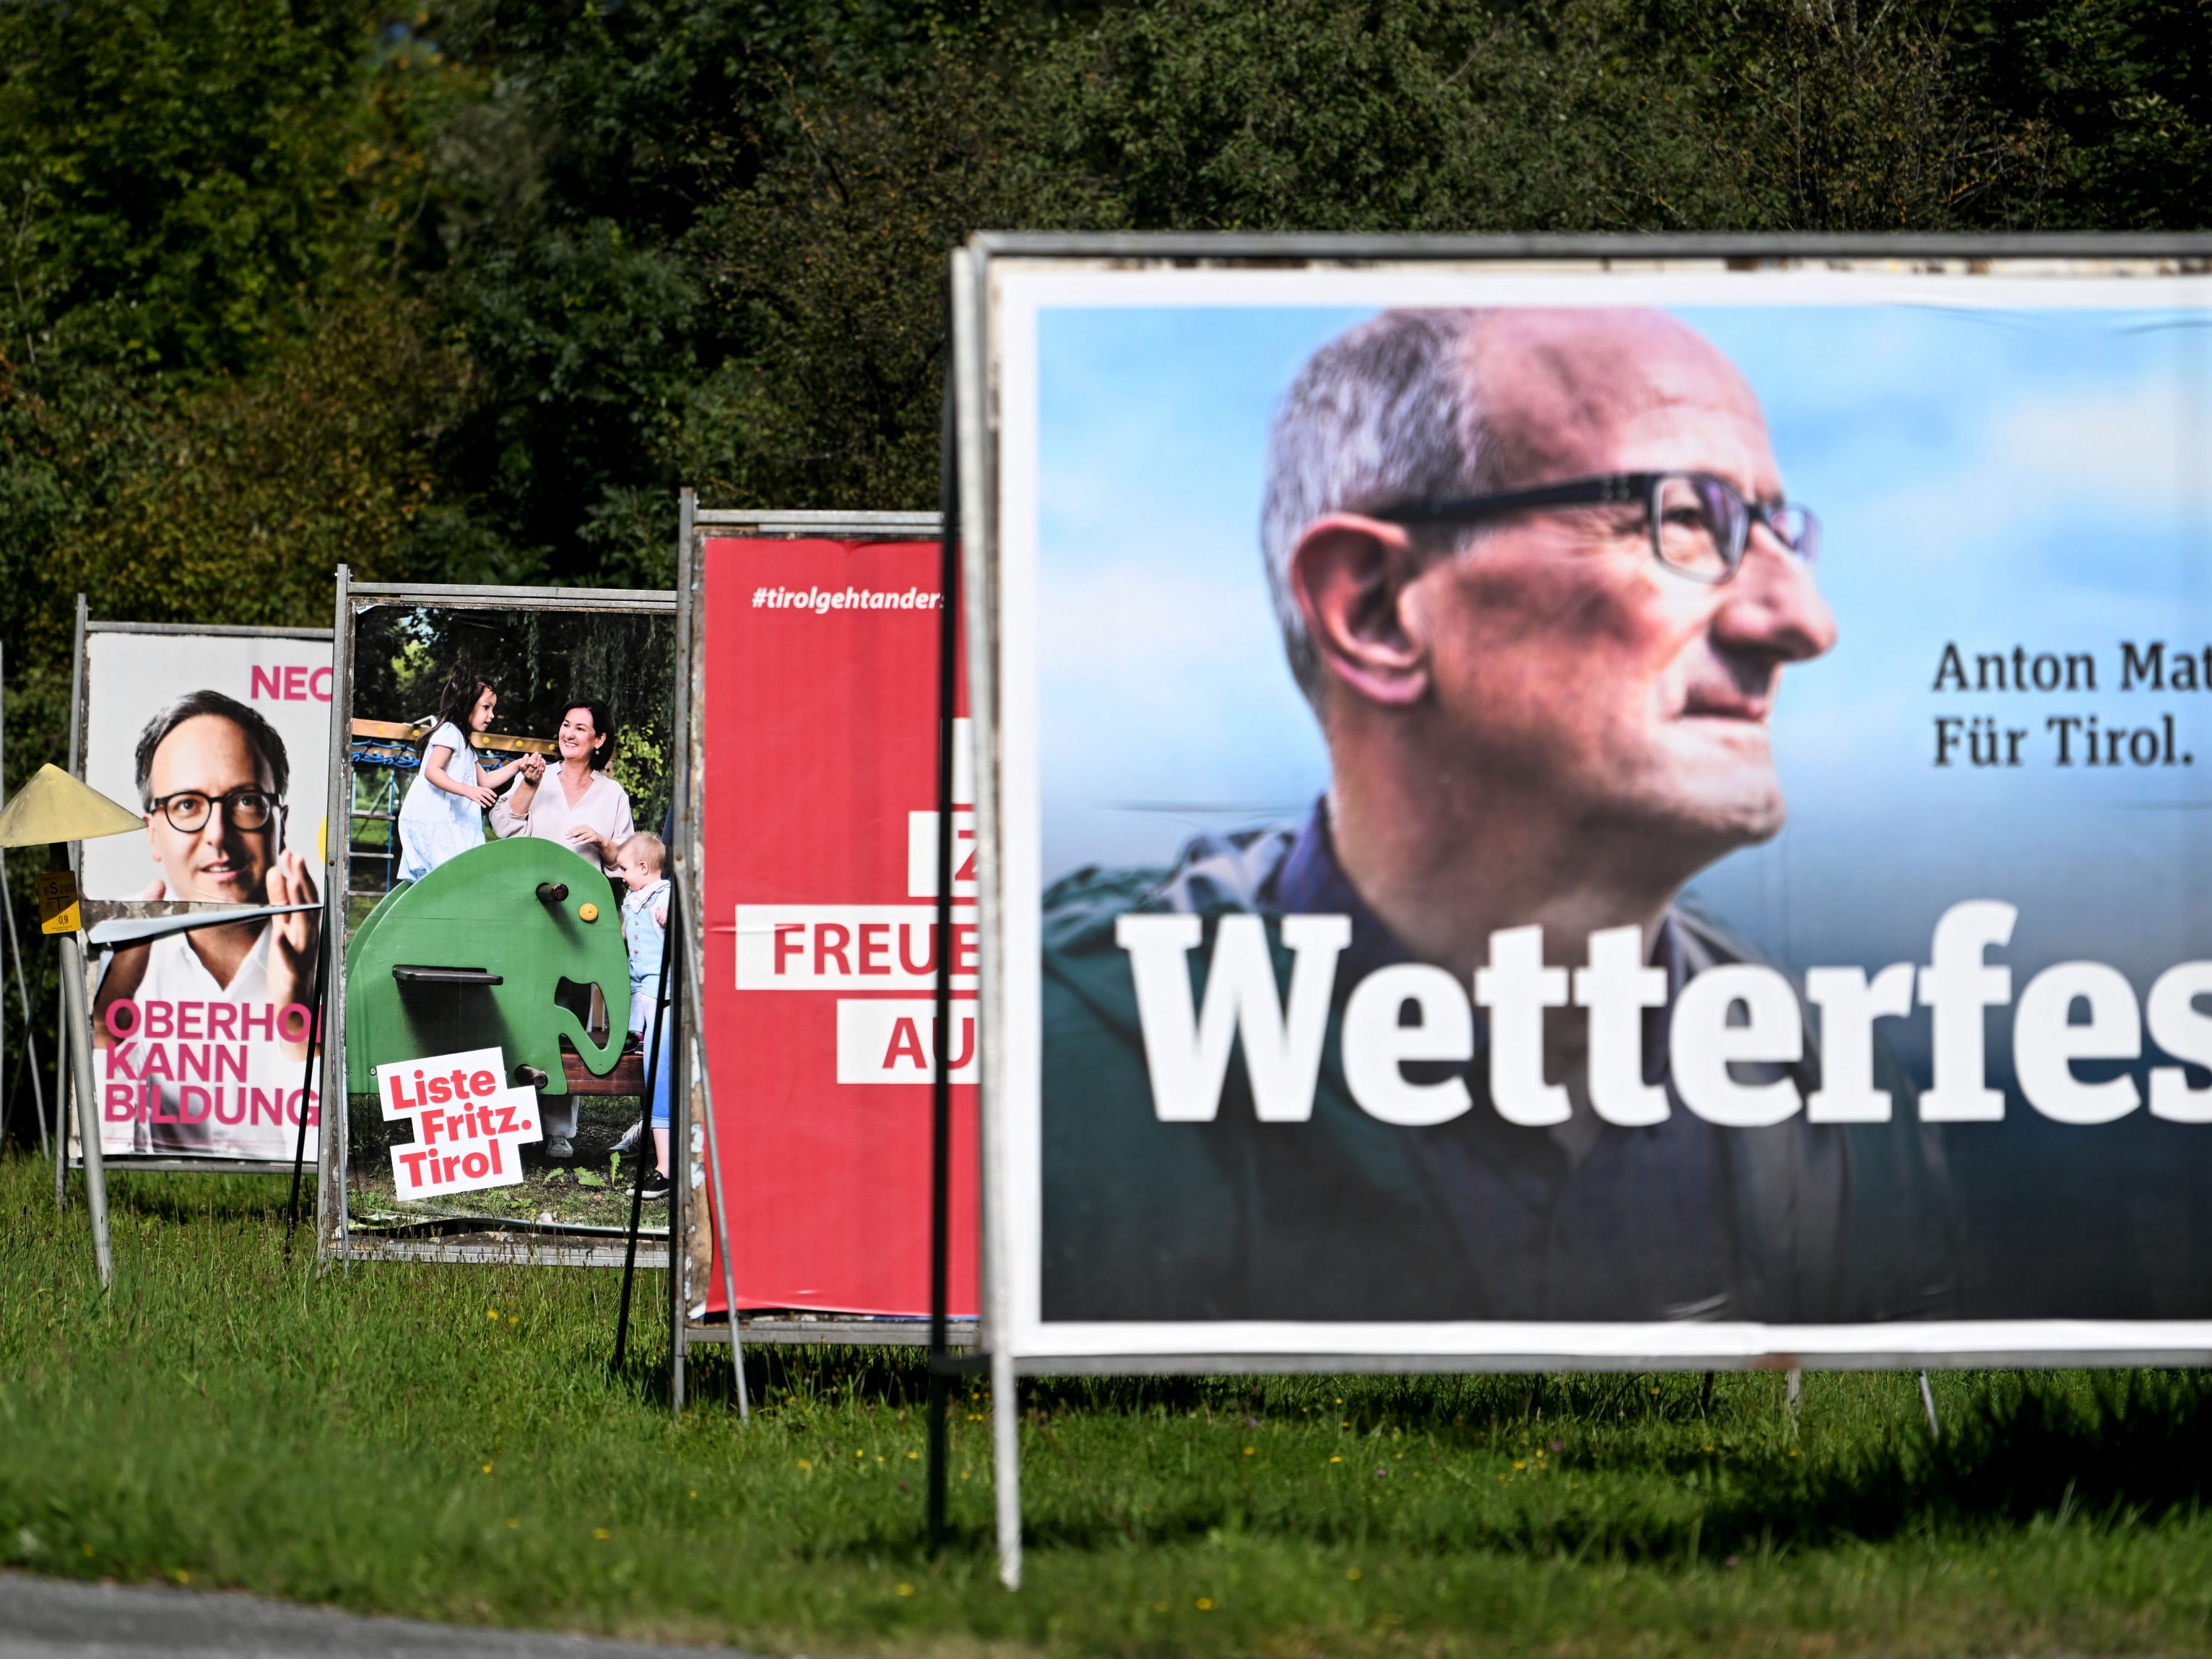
(832, 1330)
(489, 1248)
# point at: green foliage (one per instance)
(187, 177)
(447, 1442)
(466, 292)
(2124, 88)
(640, 766)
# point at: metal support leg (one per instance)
(1793, 1394)
(23, 993)
(88, 1103)
(63, 1084)
(1006, 1463)
(1927, 1405)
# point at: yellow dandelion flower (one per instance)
(513, 1525)
(1352, 1574)
(1336, 1460)
(806, 1463)
(487, 1469)
(1204, 1604)
(601, 1533)
(1248, 1451)
(906, 1589)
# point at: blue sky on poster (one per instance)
(1992, 477)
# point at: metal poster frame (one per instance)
(334, 1240)
(80, 712)
(978, 270)
(697, 526)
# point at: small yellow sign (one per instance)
(58, 902)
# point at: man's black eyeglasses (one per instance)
(1700, 524)
(242, 809)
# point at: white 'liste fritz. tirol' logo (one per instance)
(469, 1123)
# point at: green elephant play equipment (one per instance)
(480, 951)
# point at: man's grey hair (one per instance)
(1386, 414)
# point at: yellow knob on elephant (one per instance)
(589, 912)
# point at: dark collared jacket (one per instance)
(1346, 1218)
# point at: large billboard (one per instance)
(818, 826)
(219, 738)
(508, 784)
(1625, 809)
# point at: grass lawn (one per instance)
(447, 1442)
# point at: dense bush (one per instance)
(463, 293)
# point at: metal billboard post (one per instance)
(64, 1051)
(679, 853)
(316, 1014)
(940, 1100)
(663, 1014)
(693, 954)
(78, 1020)
(979, 569)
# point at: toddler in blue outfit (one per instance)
(643, 861)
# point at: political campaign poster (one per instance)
(1629, 811)
(219, 737)
(508, 769)
(819, 823)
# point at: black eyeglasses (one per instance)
(1700, 524)
(187, 810)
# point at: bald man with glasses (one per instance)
(1537, 576)
(212, 775)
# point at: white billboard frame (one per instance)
(81, 687)
(998, 280)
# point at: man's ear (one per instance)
(1349, 575)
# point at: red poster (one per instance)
(820, 828)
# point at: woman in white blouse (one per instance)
(577, 803)
(579, 806)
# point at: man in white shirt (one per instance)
(205, 1033)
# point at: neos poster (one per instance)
(1625, 812)
(221, 740)
(819, 820)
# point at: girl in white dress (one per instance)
(443, 814)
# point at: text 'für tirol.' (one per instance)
(2001, 736)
